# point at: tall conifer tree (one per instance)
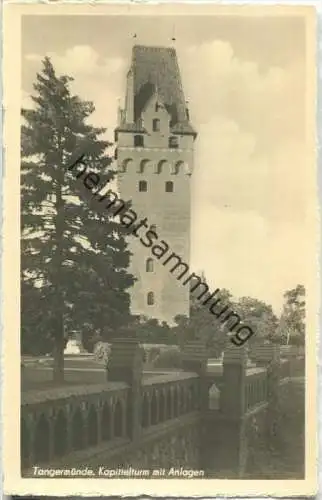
(74, 261)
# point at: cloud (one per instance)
(249, 185)
(230, 172)
(95, 78)
(247, 255)
(249, 192)
(268, 104)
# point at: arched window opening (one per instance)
(182, 400)
(154, 409)
(125, 164)
(153, 227)
(24, 443)
(177, 167)
(143, 186)
(78, 440)
(106, 422)
(156, 125)
(143, 165)
(162, 414)
(149, 265)
(150, 299)
(60, 434)
(160, 166)
(169, 404)
(92, 426)
(42, 440)
(118, 420)
(175, 404)
(190, 398)
(169, 187)
(145, 411)
(138, 141)
(173, 142)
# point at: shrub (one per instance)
(102, 351)
(171, 358)
(152, 354)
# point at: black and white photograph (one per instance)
(166, 234)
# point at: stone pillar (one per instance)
(264, 354)
(125, 364)
(273, 394)
(231, 432)
(232, 397)
(195, 359)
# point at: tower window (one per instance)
(157, 107)
(160, 166)
(149, 265)
(125, 164)
(143, 186)
(138, 141)
(142, 166)
(169, 187)
(150, 299)
(173, 142)
(153, 227)
(156, 125)
(115, 154)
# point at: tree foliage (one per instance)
(259, 316)
(292, 322)
(73, 260)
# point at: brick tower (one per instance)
(155, 143)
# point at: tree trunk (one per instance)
(58, 355)
(59, 334)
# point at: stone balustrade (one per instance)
(255, 387)
(161, 419)
(58, 422)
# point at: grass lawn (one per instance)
(286, 459)
(77, 372)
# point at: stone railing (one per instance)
(168, 396)
(62, 425)
(62, 421)
(255, 387)
(284, 369)
(161, 420)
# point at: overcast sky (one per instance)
(245, 82)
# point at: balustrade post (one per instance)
(273, 396)
(231, 433)
(232, 396)
(264, 354)
(195, 358)
(125, 364)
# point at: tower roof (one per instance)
(156, 69)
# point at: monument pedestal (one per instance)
(74, 345)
